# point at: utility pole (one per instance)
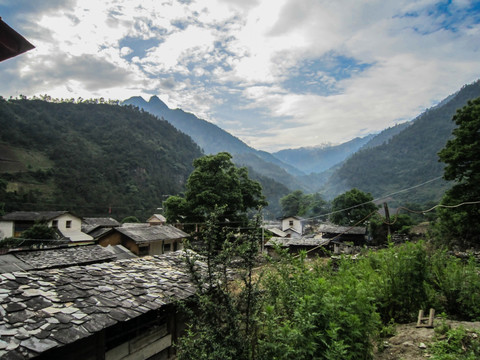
(387, 217)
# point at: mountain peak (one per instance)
(155, 100)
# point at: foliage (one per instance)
(223, 322)
(39, 231)
(455, 285)
(102, 157)
(299, 204)
(355, 205)
(310, 312)
(456, 344)
(462, 157)
(400, 223)
(216, 182)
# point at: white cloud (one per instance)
(200, 54)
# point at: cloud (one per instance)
(276, 73)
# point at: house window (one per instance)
(290, 223)
(68, 224)
(166, 248)
(54, 223)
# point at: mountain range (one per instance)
(395, 159)
(101, 159)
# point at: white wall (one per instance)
(6, 229)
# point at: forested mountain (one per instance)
(89, 158)
(208, 136)
(407, 159)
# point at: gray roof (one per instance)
(32, 215)
(91, 223)
(52, 258)
(303, 241)
(46, 309)
(336, 229)
(145, 234)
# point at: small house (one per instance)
(157, 219)
(143, 239)
(98, 226)
(66, 224)
(293, 226)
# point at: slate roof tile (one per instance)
(62, 305)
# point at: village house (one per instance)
(157, 219)
(144, 239)
(66, 225)
(124, 309)
(293, 226)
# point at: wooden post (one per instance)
(387, 217)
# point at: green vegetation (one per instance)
(91, 157)
(461, 155)
(308, 309)
(306, 205)
(456, 344)
(352, 207)
(216, 182)
(408, 159)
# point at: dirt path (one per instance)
(410, 342)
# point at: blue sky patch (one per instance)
(139, 46)
(320, 76)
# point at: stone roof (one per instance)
(58, 257)
(32, 215)
(336, 229)
(91, 223)
(303, 241)
(146, 234)
(45, 309)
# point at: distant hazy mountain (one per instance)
(318, 159)
(408, 158)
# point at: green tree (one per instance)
(462, 157)
(351, 207)
(216, 183)
(298, 203)
(39, 231)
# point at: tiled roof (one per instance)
(335, 229)
(303, 241)
(32, 215)
(51, 258)
(145, 234)
(45, 309)
(91, 223)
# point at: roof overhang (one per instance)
(11, 42)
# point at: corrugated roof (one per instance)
(41, 310)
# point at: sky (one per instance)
(275, 73)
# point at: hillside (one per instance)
(318, 159)
(208, 136)
(89, 158)
(407, 159)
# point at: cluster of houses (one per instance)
(294, 235)
(110, 291)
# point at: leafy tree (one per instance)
(216, 182)
(351, 207)
(298, 203)
(462, 156)
(130, 219)
(39, 231)
(222, 321)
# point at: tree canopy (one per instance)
(461, 155)
(356, 205)
(298, 203)
(215, 183)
